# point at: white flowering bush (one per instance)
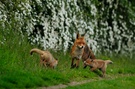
(109, 25)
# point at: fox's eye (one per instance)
(78, 42)
(81, 43)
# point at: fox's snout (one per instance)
(80, 47)
(85, 63)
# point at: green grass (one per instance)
(18, 69)
(127, 82)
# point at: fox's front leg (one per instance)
(72, 63)
(77, 63)
(93, 68)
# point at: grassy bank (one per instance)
(122, 82)
(18, 69)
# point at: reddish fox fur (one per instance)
(80, 50)
(98, 64)
(46, 58)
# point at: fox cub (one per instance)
(98, 64)
(46, 58)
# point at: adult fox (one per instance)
(80, 50)
(46, 58)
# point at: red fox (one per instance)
(98, 64)
(80, 50)
(46, 58)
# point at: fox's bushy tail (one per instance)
(36, 51)
(108, 61)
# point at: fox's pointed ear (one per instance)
(78, 35)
